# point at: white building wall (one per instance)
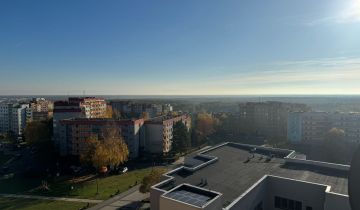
(335, 201)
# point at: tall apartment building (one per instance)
(312, 127)
(167, 108)
(75, 133)
(39, 109)
(88, 107)
(91, 106)
(159, 132)
(13, 118)
(234, 176)
(268, 119)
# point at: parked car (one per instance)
(124, 170)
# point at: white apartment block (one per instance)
(12, 118)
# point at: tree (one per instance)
(205, 125)
(109, 112)
(38, 132)
(151, 179)
(334, 145)
(181, 138)
(10, 136)
(107, 150)
(145, 115)
(112, 113)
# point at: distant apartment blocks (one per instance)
(12, 117)
(74, 124)
(133, 109)
(312, 127)
(268, 119)
(39, 109)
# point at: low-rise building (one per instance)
(236, 176)
(159, 132)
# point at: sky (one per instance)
(179, 47)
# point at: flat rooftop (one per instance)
(237, 169)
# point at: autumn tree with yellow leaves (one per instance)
(107, 149)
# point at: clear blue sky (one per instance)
(173, 47)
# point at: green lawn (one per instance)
(107, 186)
(4, 158)
(31, 204)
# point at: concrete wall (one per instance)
(169, 204)
(154, 138)
(309, 194)
(319, 164)
(215, 204)
(334, 201)
(252, 197)
(155, 198)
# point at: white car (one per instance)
(125, 169)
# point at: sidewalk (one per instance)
(50, 198)
(130, 199)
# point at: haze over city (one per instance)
(180, 47)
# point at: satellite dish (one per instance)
(354, 181)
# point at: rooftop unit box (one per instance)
(188, 197)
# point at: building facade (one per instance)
(13, 118)
(159, 132)
(312, 127)
(267, 119)
(76, 133)
(74, 107)
(132, 109)
(39, 109)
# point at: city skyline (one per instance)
(180, 48)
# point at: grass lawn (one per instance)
(108, 185)
(31, 204)
(4, 158)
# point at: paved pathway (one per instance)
(130, 199)
(50, 198)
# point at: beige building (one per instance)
(88, 107)
(159, 132)
(39, 109)
(75, 133)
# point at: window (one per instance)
(277, 202)
(287, 204)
